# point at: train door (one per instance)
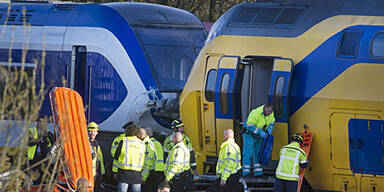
(224, 95)
(254, 76)
(208, 111)
(366, 144)
(278, 94)
(356, 145)
(79, 75)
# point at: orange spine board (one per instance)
(71, 131)
(305, 146)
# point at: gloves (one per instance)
(270, 129)
(262, 133)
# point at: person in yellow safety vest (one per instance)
(291, 158)
(177, 171)
(40, 142)
(97, 156)
(258, 126)
(130, 155)
(178, 126)
(228, 168)
(114, 146)
(153, 171)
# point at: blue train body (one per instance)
(121, 57)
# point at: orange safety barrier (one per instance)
(305, 146)
(71, 130)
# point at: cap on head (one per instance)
(177, 123)
(92, 126)
(129, 124)
(297, 137)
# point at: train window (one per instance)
(278, 97)
(289, 16)
(224, 88)
(210, 85)
(377, 45)
(349, 43)
(170, 53)
(267, 15)
(246, 15)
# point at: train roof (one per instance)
(133, 13)
(139, 13)
(288, 18)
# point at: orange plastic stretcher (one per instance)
(305, 146)
(71, 130)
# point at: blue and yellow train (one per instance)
(321, 62)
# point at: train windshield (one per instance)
(171, 52)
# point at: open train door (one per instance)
(278, 94)
(79, 73)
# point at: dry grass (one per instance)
(20, 103)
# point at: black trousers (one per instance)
(232, 184)
(153, 180)
(284, 186)
(97, 181)
(183, 182)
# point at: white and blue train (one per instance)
(127, 60)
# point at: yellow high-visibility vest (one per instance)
(290, 157)
(168, 143)
(114, 146)
(229, 161)
(258, 118)
(177, 161)
(150, 158)
(98, 156)
(32, 149)
(132, 154)
(159, 164)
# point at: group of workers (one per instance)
(258, 126)
(141, 163)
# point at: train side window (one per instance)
(210, 85)
(377, 45)
(349, 43)
(224, 88)
(278, 97)
(11, 77)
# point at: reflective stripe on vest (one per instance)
(184, 164)
(226, 159)
(150, 146)
(131, 166)
(159, 163)
(94, 160)
(296, 163)
(32, 149)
